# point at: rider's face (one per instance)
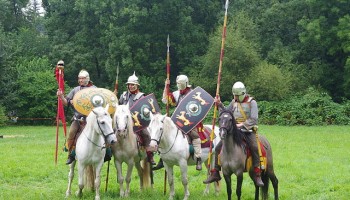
(82, 81)
(132, 87)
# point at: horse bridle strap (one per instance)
(158, 141)
(104, 136)
(226, 112)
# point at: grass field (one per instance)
(310, 163)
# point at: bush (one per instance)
(314, 108)
(3, 117)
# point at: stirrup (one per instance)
(160, 165)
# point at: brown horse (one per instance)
(233, 157)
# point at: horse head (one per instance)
(104, 122)
(227, 122)
(155, 129)
(123, 121)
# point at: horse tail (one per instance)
(146, 173)
(265, 189)
(89, 177)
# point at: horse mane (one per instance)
(168, 123)
(237, 134)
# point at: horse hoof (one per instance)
(97, 197)
(78, 194)
(68, 193)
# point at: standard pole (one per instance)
(218, 83)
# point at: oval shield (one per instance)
(87, 99)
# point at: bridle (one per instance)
(101, 132)
(221, 125)
(117, 129)
(160, 138)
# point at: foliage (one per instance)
(39, 103)
(314, 108)
(3, 117)
(269, 82)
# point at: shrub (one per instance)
(313, 108)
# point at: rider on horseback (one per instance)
(245, 110)
(78, 120)
(174, 98)
(130, 97)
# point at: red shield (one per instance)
(192, 109)
(140, 109)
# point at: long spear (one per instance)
(116, 93)
(60, 111)
(167, 92)
(218, 83)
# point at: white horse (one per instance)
(90, 150)
(174, 150)
(127, 150)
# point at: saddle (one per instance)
(205, 140)
(249, 160)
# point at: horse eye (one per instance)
(102, 122)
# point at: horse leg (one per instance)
(70, 178)
(139, 172)
(170, 181)
(98, 180)
(239, 186)
(81, 169)
(228, 186)
(128, 178)
(183, 169)
(274, 181)
(257, 192)
(120, 178)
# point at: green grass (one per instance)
(310, 163)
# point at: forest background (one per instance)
(293, 55)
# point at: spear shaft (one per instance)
(218, 83)
(167, 92)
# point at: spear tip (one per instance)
(168, 41)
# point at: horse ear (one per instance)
(107, 107)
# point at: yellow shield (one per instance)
(85, 100)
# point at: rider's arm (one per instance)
(253, 120)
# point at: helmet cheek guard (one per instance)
(84, 74)
(182, 82)
(238, 89)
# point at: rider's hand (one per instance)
(239, 125)
(59, 93)
(217, 100)
(167, 82)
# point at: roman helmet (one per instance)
(84, 74)
(238, 89)
(182, 82)
(133, 80)
(60, 62)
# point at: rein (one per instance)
(105, 136)
(232, 117)
(161, 135)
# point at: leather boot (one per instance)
(108, 155)
(150, 158)
(199, 164)
(214, 177)
(258, 180)
(159, 165)
(70, 159)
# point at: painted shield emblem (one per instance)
(141, 109)
(192, 109)
(87, 99)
